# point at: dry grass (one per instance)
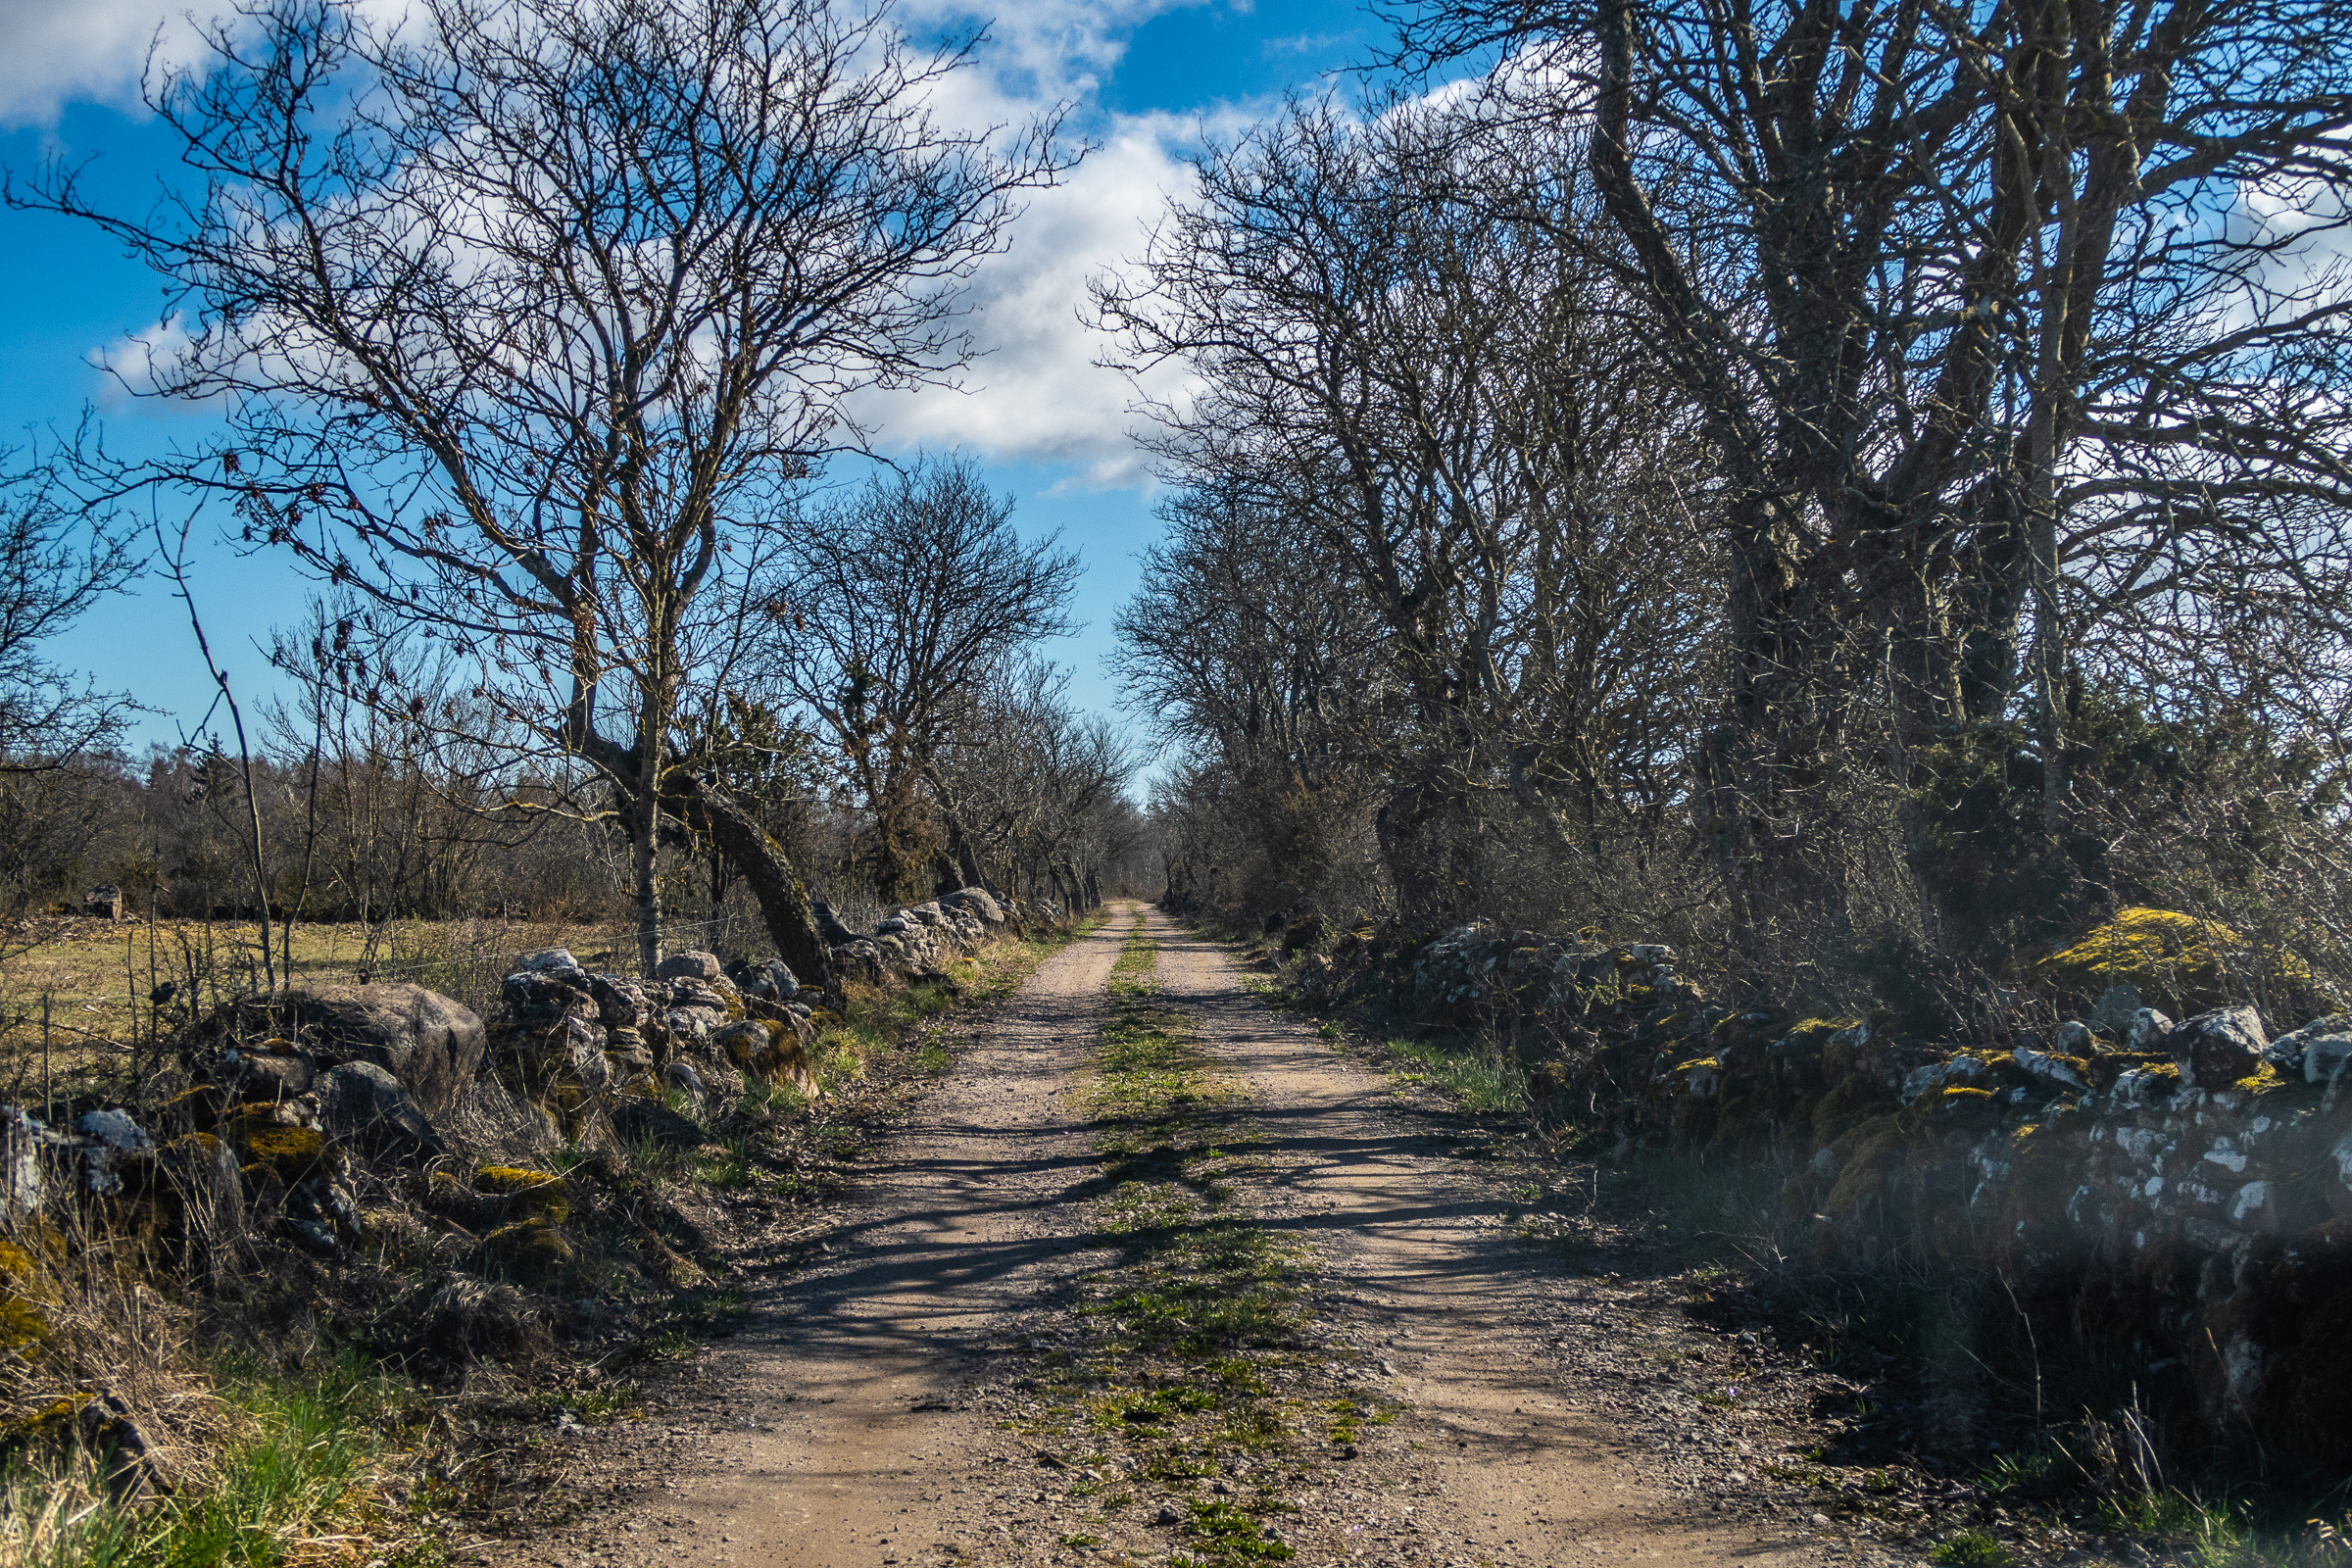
(96, 979)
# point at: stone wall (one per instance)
(2183, 1186)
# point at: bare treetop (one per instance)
(530, 316)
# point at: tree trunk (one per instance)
(1768, 766)
(959, 843)
(645, 847)
(760, 861)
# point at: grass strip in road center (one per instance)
(1190, 1369)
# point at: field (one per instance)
(82, 988)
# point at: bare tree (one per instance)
(892, 604)
(1992, 314)
(56, 561)
(1038, 785)
(1399, 357)
(528, 317)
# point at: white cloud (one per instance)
(90, 50)
(1044, 50)
(1038, 393)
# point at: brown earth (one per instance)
(871, 1408)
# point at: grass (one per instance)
(1480, 1081)
(1187, 1339)
(1970, 1548)
(97, 977)
(303, 1478)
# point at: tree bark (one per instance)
(784, 903)
(645, 847)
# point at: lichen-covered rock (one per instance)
(769, 1048)
(290, 1153)
(536, 1193)
(2175, 959)
(702, 966)
(2059, 1070)
(2218, 1049)
(429, 1042)
(535, 1243)
(979, 901)
(620, 1003)
(770, 980)
(202, 1189)
(2316, 1053)
(365, 1107)
(271, 1071)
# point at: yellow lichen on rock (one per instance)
(535, 1192)
(535, 1241)
(22, 1294)
(2169, 959)
(291, 1154)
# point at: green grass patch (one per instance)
(1480, 1080)
(732, 1167)
(1970, 1548)
(302, 1475)
(1192, 1332)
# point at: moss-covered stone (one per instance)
(2175, 961)
(535, 1242)
(1863, 1158)
(536, 1193)
(200, 1110)
(1846, 1102)
(24, 1292)
(290, 1153)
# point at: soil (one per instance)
(882, 1396)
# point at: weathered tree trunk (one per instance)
(1768, 766)
(959, 844)
(645, 843)
(760, 861)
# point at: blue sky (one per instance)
(1147, 76)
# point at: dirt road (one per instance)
(883, 1407)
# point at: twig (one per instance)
(177, 560)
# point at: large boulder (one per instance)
(702, 966)
(768, 979)
(363, 1105)
(429, 1042)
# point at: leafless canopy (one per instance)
(529, 315)
(890, 608)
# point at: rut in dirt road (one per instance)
(1154, 1276)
